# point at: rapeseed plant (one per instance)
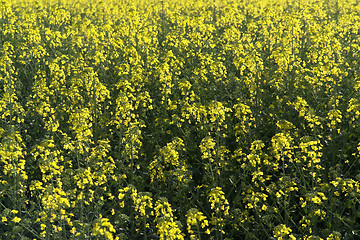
(243, 114)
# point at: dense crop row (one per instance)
(180, 119)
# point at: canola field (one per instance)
(180, 119)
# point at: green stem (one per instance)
(145, 235)
(198, 231)
(284, 191)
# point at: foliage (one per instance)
(165, 119)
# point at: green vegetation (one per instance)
(180, 119)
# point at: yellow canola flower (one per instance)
(165, 221)
(42, 226)
(16, 219)
(207, 148)
(103, 227)
(282, 231)
(14, 211)
(196, 218)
